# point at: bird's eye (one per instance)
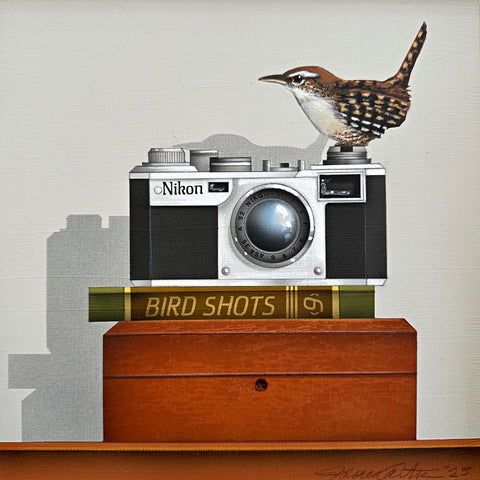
(297, 80)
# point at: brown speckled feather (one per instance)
(353, 112)
(367, 108)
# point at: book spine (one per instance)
(163, 303)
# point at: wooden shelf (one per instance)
(401, 460)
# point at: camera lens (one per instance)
(272, 225)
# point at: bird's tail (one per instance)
(402, 77)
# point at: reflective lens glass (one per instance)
(272, 225)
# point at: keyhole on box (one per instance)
(261, 385)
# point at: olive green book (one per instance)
(113, 304)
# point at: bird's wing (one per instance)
(369, 108)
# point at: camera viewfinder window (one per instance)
(218, 187)
(340, 186)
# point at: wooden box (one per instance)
(260, 380)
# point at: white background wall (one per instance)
(87, 87)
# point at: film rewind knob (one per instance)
(167, 155)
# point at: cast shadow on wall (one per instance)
(236, 146)
(67, 402)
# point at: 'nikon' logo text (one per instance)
(177, 188)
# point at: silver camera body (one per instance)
(197, 219)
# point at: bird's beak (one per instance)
(274, 79)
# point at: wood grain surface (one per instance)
(222, 327)
(291, 408)
(257, 380)
(412, 460)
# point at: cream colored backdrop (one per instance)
(87, 87)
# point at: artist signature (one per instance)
(398, 471)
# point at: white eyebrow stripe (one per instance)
(303, 73)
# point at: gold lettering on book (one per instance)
(210, 305)
(222, 304)
(169, 306)
(289, 302)
(172, 306)
(270, 305)
(193, 306)
(255, 299)
(152, 307)
(228, 306)
(313, 304)
(240, 311)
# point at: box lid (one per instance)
(254, 347)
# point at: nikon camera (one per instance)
(199, 219)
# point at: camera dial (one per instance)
(272, 226)
(231, 164)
